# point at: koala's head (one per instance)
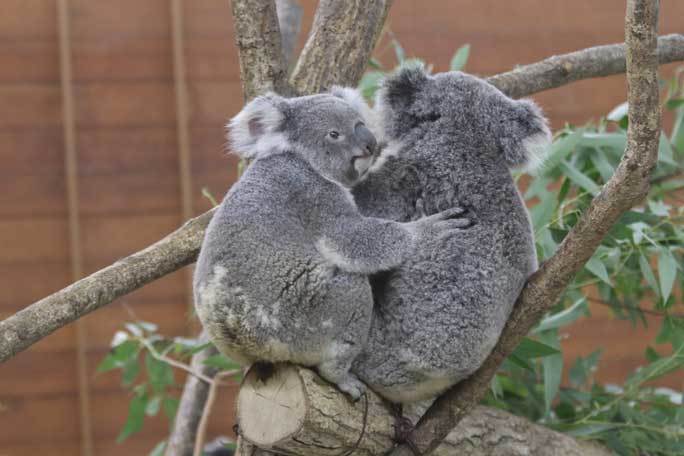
(465, 110)
(328, 130)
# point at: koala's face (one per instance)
(327, 130)
(332, 136)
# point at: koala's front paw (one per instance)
(352, 387)
(450, 219)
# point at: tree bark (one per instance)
(257, 37)
(296, 412)
(40, 319)
(342, 38)
(290, 21)
(184, 432)
(593, 62)
(627, 187)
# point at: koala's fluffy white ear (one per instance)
(525, 139)
(356, 100)
(254, 131)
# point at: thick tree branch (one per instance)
(36, 321)
(257, 36)
(290, 21)
(191, 407)
(626, 187)
(342, 38)
(309, 417)
(588, 63)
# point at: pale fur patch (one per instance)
(268, 141)
(536, 148)
(356, 100)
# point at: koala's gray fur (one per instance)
(452, 139)
(283, 271)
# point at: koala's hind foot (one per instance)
(403, 428)
(338, 373)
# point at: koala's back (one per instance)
(267, 293)
(438, 316)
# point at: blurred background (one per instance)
(150, 96)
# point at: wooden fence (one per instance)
(111, 123)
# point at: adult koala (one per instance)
(452, 139)
(282, 274)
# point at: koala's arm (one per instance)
(366, 244)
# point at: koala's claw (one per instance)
(352, 387)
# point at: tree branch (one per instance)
(628, 186)
(40, 319)
(290, 21)
(342, 38)
(191, 407)
(257, 36)
(309, 417)
(588, 63)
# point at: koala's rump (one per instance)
(281, 302)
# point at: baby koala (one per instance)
(283, 270)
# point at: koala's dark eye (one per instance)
(334, 134)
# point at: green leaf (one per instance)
(665, 152)
(221, 362)
(130, 372)
(647, 272)
(398, 51)
(564, 317)
(153, 406)
(170, 407)
(530, 348)
(596, 267)
(119, 355)
(136, 415)
(583, 368)
(603, 166)
(495, 386)
(618, 113)
(615, 142)
(370, 82)
(159, 373)
(542, 212)
(460, 58)
(559, 150)
(667, 272)
(585, 430)
(159, 449)
(553, 369)
(677, 136)
(134, 329)
(578, 178)
(674, 103)
(374, 63)
(659, 208)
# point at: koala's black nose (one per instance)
(365, 139)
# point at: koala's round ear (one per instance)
(399, 89)
(525, 138)
(254, 131)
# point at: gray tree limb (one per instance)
(257, 37)
(41, 318)
(290, 21)
(342, 38)
(307, 416)
(627, 187)
(195, 392)
(593, 62)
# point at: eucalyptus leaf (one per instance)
(460, 58)
(136, 415)
(596, 267)
(579, 178)
(667, 272)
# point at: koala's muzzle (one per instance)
(365, 139)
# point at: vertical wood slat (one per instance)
(75, 251)
(182, 130)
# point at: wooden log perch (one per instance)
(295, 412)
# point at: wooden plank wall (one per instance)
(111, 122)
